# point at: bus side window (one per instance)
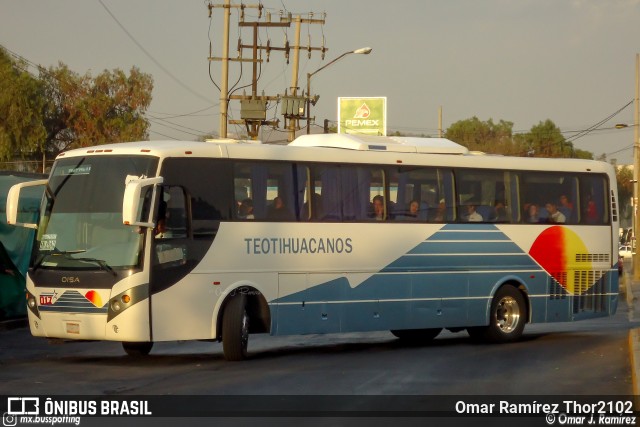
(171, 227)
(594, 200)
(175, 221)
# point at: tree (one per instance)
(624, 178)
(582, 154)
(61, 109)
(487, 136)
(22, 131)
(546, 140)
(84, 111)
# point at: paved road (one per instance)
(571, 359)
(581, 358)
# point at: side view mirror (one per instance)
(134, 200)
(13, 201)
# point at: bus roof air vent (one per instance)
(398, 144)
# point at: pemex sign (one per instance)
(362, 115)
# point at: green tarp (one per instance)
(16, 243)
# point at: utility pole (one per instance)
(253, 107)
(224, 84)
(636, 171)
(295, 114)
(440, 122)
(293, 123)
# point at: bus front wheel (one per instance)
(235, 329)
(137, 349)
(506, 319)
(416, 335)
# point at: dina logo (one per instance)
(363, 112)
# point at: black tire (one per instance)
(416, 335)
(137, 349)
(235, 329)
(507, 318)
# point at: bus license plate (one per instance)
(73, 328)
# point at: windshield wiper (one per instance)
(103, 264)
(40, 259)
(68, 255)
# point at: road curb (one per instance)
(7, 325)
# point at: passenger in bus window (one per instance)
(472, 215)
(246, 209)
(501, 212)
(592, 211)
(411, 213)
(378, 208)
(533, 216)
(564, 202)
(240, 195)
(440, 212)
(555, 216)
(566, 207)
(161, 225)
(279, 211)
(414, 207)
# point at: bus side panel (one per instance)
(184, 310)
(393, 293)
(288, 315)
(369, 314)
(439, 300)
(599, 300)
(558, 302)
(324, 303)
(130, 325)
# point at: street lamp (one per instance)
(361, 51)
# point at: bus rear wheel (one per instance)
(416, 335)
(235, 329)
(506, 319)
(137, 349)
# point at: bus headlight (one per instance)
(115, 305)
(32, 304)
(118, 304)
(127, 299)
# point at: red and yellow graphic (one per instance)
(563, 254)
(94, 298)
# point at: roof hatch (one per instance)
(396, 144)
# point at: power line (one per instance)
(176, 127)
(162, 134)
(597, 125)
(155, 61)
(620, 150)
(171, 123)
(159, 123)
(191, 114)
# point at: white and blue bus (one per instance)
(161, 241)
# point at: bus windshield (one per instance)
(81, 223)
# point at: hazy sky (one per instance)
(524, 61)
